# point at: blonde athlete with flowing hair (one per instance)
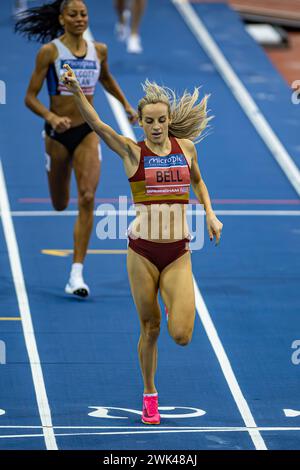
(160, 170)
(187, 118)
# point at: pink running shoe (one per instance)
(150, 410)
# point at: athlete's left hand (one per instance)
(214, 227)
(131, 114)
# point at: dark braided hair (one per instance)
(42, 23)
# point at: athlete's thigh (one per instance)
(177, 291)
(144, 281)
(59, 168)
(86, 163)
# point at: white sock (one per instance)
(150, 394)
(76, 270)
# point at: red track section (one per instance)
(286, 60)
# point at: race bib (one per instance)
(85, 71)
(166, 175)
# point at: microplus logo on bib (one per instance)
(2, 92)
(166, 175)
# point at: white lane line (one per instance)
(276, 213)
(118, 111)
(151, 431)
(200, 428)
(14, 436)
(100, 212)
(29, 336)
(227, 370)
(240, 92)
(44, 213)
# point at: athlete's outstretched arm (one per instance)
(214, 226)
(118, 143)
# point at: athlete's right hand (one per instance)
(69, 79)
(60, 123)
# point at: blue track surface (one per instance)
(250, 284)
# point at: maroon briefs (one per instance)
(159, 254)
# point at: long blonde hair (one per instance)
(189, 119)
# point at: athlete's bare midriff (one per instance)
(161, 223)
(65, 106)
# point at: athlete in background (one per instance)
(130, 14)
(70, 142)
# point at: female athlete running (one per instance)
(160, 170)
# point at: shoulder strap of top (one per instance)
(142, 145)
(175, 145)
(177, 149)
(62, 49)
(91, 48)
(146, 149)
